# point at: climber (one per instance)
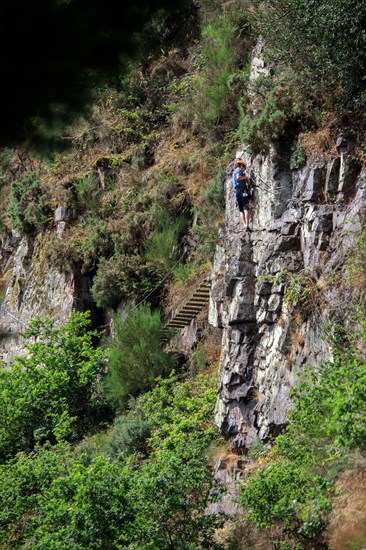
(242, 187)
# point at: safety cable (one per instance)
(8, 312)
(265, 185)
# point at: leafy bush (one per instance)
(300, 289)
(27, 207)
(86, 507)
(171, 495)
(298, 156)
(269, 106)
(53, 497)
(136, 355)
(299, 88)
(208, 96)
(21, 481)
(176, 486)
(87, 192)
(218, 62)
(187, 406)
(53, 391)
(120, 276)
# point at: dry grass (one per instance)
(319, 144)
(181, 154)
(347, 525)
(212, 345)
(242, 534)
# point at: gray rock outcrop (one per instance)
(305, 223)
(35, 287)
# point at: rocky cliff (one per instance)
(35, 287)
(274, 290)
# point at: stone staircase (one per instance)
(189, 310)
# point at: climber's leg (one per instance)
(240, 202)
(242, 217)
(246, 217)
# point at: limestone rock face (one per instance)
(304, 222)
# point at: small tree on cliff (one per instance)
(136, 356)
(55, 390)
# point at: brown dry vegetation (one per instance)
(347, 522)
(242, 534)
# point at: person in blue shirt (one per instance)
(242, 187)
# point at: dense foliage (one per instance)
(27, 208)
(316, 64)
(107, 497)
(54, 390)
(331, 34)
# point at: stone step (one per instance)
(197, 301)
(205, 295)
(203, 290)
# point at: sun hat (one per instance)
(240, 161)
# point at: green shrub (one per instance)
(53, 391)
(122, 275)
(161, 249)
(179, 411)
(58, 497)
(21, 481)
(269, 106)
(299, 88)
(176, 486)
(171, 495)
(280, 492)
(87, 193)
(96, 240)
(85, 507)
(135, 353)
(257, 449)
(209, 95)
(298, 156)
(218, 61)
(128, 436)
(27, 207)
(55, 500)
